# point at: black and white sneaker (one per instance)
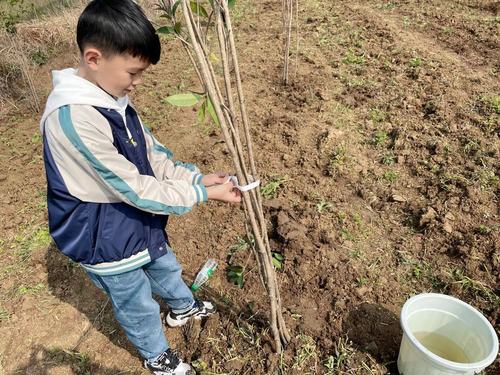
(199, 310)
(167, 363)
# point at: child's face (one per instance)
(119, 74)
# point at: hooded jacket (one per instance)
(110, 184)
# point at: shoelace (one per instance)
(168, 358)
(198, 304)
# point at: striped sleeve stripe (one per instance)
(109, 176)
(122, 266)
(197, 178)
(198, 193)
(201, 193)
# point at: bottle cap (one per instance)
(195, 287)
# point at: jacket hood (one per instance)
(72, 89)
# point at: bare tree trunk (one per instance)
(225, 111)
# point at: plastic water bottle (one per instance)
(206, 271)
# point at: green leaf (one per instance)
(278, 260)
(211, 111)
(235, 275)
(174, 8)
(198, 9)
(183, 100)
(278, 256)
(238, 270)
(231, 3)
(178, 27)
(165, 30)
(201, 112)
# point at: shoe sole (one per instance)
(177, 323)
(189, 371)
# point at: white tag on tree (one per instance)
(248, 187)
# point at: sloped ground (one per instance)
(385, 146)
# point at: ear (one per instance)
(92, 57)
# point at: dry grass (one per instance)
(35, 42)
(50, 33)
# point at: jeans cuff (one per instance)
(183, 310)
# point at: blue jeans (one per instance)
(133, 304)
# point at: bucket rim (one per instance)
(451, 365)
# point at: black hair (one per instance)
(117, 27)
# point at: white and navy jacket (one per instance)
(110, 184)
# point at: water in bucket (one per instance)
(442, 346)
(443, 335)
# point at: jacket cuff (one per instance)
(201, 193)
(197, 179)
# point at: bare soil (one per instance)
(387, 140)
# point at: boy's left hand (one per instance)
(214, 179)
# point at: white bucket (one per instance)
(461, 339)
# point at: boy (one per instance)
(112, 185)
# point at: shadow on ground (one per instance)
(44, 361)
(68, 282)
(375, 330)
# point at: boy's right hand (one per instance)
(224, 193)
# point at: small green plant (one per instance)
(305, 352)
(341, 217)
(337, 160)
(487, 178)
(27, 289)
(39, 56)
(278, 260)
(235, 275)
(361, 281)
(489, 104)
(357, 82)
(249, 333)
(200, 365)
(377, 115)
(242, 244)
(391, 176)
(475, 287)
(472, 147)
(17, 11)
(270, 190)
(495, 104)
(356, 217)
(417, 271)
(339, 361)
(36, 138)
(388, 159)
(448, 30)
(296, 316)
(415, 62)
(387, 6)
(380, 137)
(323, 206)
(4, 315)
(483, 229)
(26, 245)
(356, 254)
(79, 362)
(346, 235)
(241, 10)
(352, 58)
